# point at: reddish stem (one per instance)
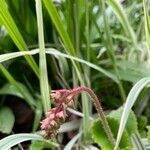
(97, 105)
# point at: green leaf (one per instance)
(103, 71)
(37, 116)
(9, 23)
(68, 46)
(40, 145)
(132, 97)
(142, 122)
(99, 136)
(20, 90)
(12, 140)
(14, 33)
(42, 59)
(111, 51)
(19, 87)
(51, 51)
(8, 56)
(59, 26)
(147, 22)
(9, 89)
(131, 126)
(148, 133)
(7, 120)
(132, 71)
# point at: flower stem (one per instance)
(97, 105)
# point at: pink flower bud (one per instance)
(55, 118)
(58, 94)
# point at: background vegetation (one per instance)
(104, 45)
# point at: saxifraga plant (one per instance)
(63, 98)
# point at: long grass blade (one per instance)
(14, 33)
(43, 66)
(54, 52)
(52, 11)
(132, 97)
(111, 52)
(118, 10)
(59, 26)
(69, 146)
(12, 140)
(147, 23)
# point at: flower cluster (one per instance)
(53, 121)
(63, 98)
(56, 116)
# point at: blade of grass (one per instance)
(63, 34)
(70, 50)
(137, 142)
(147, 23)
(37, 116)
(118, 10)
(87, 28)
(87, 70)
(8, 56)
(14, 33)
(15, 139)
(71, 143)
(132, 97)
(110, 51)
(42, 59)
(54, 52)
(59, 26)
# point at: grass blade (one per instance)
(111, 52)
(69, 146)
(54, 52)
(147, 23)
(59, 26)
(118, 10)
(132, 97)
(14, 33)
(37, 116)
(43, 66)
(15, 139)
(70, 50)
(8, 56)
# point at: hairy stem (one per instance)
(97, 105)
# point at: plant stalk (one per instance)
(97, 105)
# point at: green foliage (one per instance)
(142, 123)
(147, 21)
(13, 140)
(118, 10)
(44, 84)
(7, 120)
(101, 139)
(104, 47)
(131, 126)
(132, 71)
(19, 90)
(113, 118)
(132, 97)
(148, 133)
(45, 144)
(8, 21)
(37, 116)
